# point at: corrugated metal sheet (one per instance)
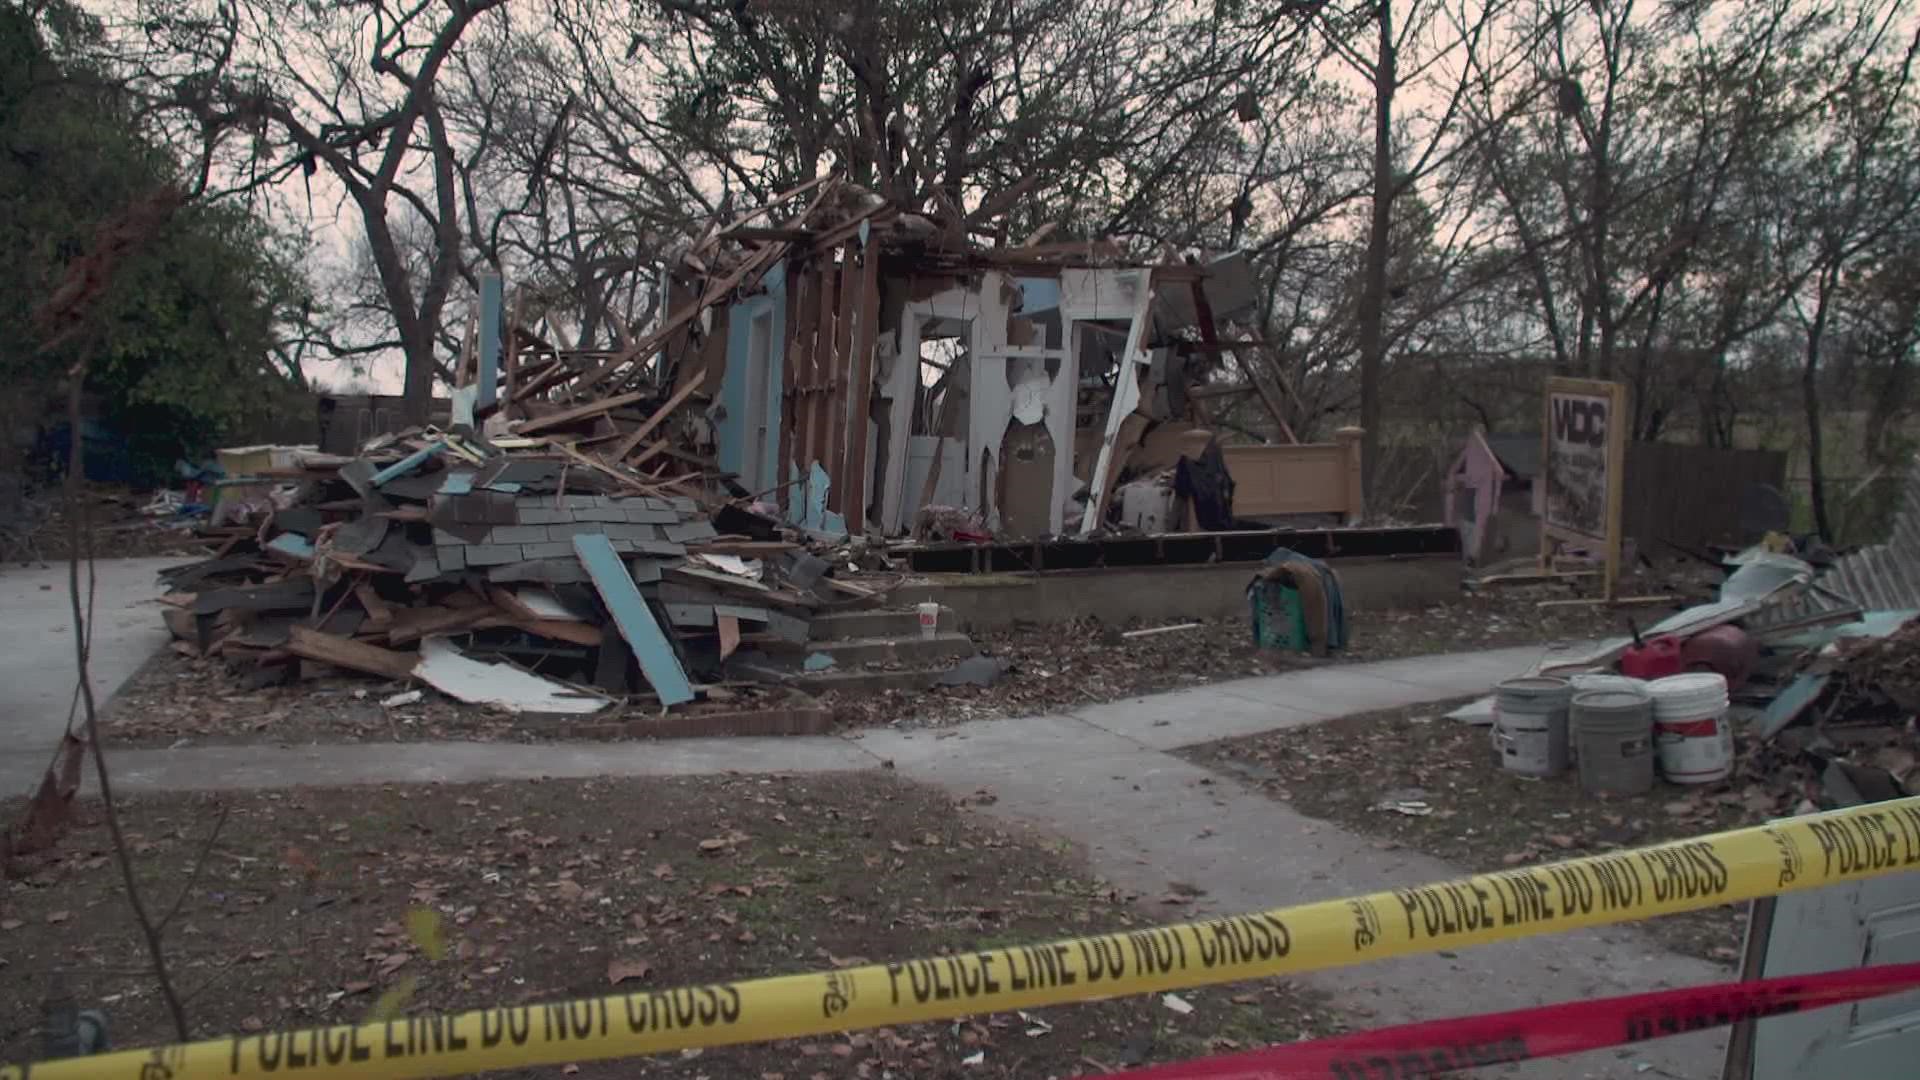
(1883, 577)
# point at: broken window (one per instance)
(940, 396)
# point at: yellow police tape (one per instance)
(1789, 855)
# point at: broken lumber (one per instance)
(311, 644)
(580, 412)
(635, 620)
(679, 398)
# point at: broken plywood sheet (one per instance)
(445, 669)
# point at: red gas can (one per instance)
(1654, 658)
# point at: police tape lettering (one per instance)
(1614, 887)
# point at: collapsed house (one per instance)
(869, 370)
(832, 375)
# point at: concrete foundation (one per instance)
(1159, 593)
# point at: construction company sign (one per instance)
(1584, 453)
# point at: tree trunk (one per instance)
(1373, 295)
(1810, 402)
(417, 404)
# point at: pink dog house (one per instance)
(1488, 495)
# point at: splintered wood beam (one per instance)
(860, 390)
(850, 228)
(325, 648)
(715, 291)
(678, 399)
(580, 412)
(821, 356)
(840, 377)
(799, 303)
(648, 454)
(603, 468)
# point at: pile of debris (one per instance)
(1836, 720)
(432, 549)
(1823, 694)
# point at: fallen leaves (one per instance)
(619, 971)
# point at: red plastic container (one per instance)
(1728, 650)
(1655, 658)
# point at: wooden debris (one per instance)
(310, 644)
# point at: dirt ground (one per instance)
(1064, 666)
(1054, 667)
(327, 906)
(118, 529)
(1433, 785)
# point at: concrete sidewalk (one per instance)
(36, 651)
(1147, 819)
(1158, 721)
(1101, 778)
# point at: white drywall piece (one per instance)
(990, 402)
(444, 668)
(1126, 396)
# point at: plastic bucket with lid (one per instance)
(1530, 725)
(1691, 735)
(1613, 738)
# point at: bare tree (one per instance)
(349, 91)
(1866, 188)
(1422, 46)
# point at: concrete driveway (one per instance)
(36, 645)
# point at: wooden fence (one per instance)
(1690, 495)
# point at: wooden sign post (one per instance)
(1583, 468)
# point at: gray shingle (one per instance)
(691, 530)
(492, 554)
(649, 516)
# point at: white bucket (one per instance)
(1530, 725)
(1691, 735)
(929, 619)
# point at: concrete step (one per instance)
(878, 623)
(913, 650)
